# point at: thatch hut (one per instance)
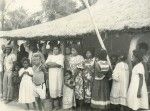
(119, 21)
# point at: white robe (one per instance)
(134, 102)
(120, 76)
(56, 75)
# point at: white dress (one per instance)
(134, 102)
(56, 75)
(26, 93)
(68, 97)
(120, 76)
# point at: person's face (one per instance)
(134, 59)
(68, 76)
(68, 51)
(8, 50)
(36, 61)
(74, 51)
(143, 51)
(3, 48)
(25, 64)
(55, 50)
(16, 68)
(88, 54)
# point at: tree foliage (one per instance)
(58, 8)
(14, 19)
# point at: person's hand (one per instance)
(24, 73)
(139, 94)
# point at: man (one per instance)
(39, 80)
(9, 61)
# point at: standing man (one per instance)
(9, 61)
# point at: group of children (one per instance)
(29, 82)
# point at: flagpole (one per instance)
(96, 29)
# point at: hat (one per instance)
(9, 46)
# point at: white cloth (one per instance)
(26, 92)
(8, 61)
(134, 102)
(56, 75)
(120, 76)
(40, 91)
(68, 97)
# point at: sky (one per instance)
(31, 6)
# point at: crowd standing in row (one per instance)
(73, 80)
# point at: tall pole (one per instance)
(96, 29)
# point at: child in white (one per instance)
(137, 93)
(26, 93)
(68, 91)
(118, 95)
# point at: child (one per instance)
(39, 80)
(68, 91)
(26, 93)
(15, 81)
(120, 76)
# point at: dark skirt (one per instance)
(101, 94)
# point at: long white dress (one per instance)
(120, 76)
(26, 93)
(134, 102)
(56, 75)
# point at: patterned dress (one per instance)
(101, 90)
(76, 63)
(88, 73)
(68, 93)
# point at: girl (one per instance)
(26, 93)
(137, 93)
(68, 95)
(16, 81)
(76, 66)
(100, 92)
(118, 95)
(88, 76)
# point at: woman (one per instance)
(22, 54)
(100, 92)
(120, 76)
(68, 88)
(88, 76)
(55, 63)
(76, 66)
(137, 93)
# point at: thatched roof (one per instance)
(108, 14)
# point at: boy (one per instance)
(39, 80)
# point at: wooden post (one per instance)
(96, 29)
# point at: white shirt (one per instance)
(8, 61)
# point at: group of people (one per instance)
(73, 80)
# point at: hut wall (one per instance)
(116, 42)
